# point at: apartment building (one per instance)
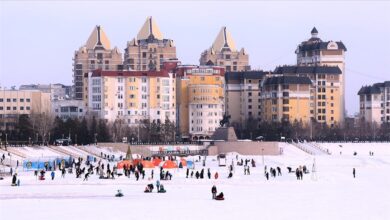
(316, 52)
(132, 96)
(96, 53)
(149, 49)
(21, 102)
(375, 102)
(243, 92)
(224, 53)
(57, 91)
(326, 93)
(286, 98)
(200, 100)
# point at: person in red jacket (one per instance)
(216, 175)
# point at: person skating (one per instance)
(214, 191)
(14, 180)
(230, 175)
(216, 175)
(52, 174)
(63, 172)
(187, 172)
(136, 175)
(86, 177)
(158, 185)
(197, 175)
(279, 171)
(208, 173)
(354, 172)
(267, 175)
(192, 173)
(152, 174)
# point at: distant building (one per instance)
(224, 53)
(315, 52)
(65, 109)
(132, 96)
(200, 100)
(14, 103)
(286, 98)
(95, 54)
(57, 91)
(325, 94)
(149, 49)
(375, 102)
(242, 92)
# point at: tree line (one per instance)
(351, 130)
(43, 129)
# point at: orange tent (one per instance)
(136, 161)
(183, 162)
(169, 164)
(122, 163)
(147, 164)
(156, 161)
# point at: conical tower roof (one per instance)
(129, 156)
(224, 40)
(149, 29)
(98, 38)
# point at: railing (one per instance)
(322, 149)
(180, 152)
(301, 147)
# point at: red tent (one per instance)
(122, 163)
(156, 161)
(147, 164)
(183, 162)
(169, 164)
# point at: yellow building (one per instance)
(22, 102)
(149, 49)
(224, 53)
(95, 54)
(316, 52)
(326, 94)
(286, 98)
(132, 96)
(200, 100)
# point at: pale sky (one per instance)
(38, 39)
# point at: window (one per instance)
(21, 100)
(1, 100)
(8, 108)
(28, 108)
(21, 108)
(8, 100)
(27, 100)
(14, 100)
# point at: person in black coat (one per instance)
(208, 173)
(214, 191)
(187, 172)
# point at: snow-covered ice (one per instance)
(333, 194)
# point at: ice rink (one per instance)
(329, 193)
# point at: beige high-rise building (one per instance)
(315, 52)
(286, 98)
(95, 54)
(224, 53)
(325, 94)
(243, 96)
(14, 103)
(132, 96)
(200, 100)
(149, 49)
(375, 103)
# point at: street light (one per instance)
(262, 154)
(95, 138)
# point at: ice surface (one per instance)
(333, 194)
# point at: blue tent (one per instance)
(190, 164)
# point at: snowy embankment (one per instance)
(330, 192)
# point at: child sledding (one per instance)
(220, 196)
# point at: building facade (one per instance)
(315, 52)
(243, 91)
(149, 49)
(200, 100)
(326, 93)
(224, 53)
(375, 103)
(14, 103)
(286, 98)
(65, 109)
(132, 96)
(95, 54)
(57, 91)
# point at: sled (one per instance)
(162, 191)
(216, 198)
(119, 195)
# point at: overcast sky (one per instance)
(38, 39)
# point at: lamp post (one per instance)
(262, 154)
(95, 138)
(6, 141)
(29, 141)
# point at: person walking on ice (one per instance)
(214, 191)
(354, 172)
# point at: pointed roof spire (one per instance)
(98, 38)
(149, 29)
(314, 32)
(224, 40)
